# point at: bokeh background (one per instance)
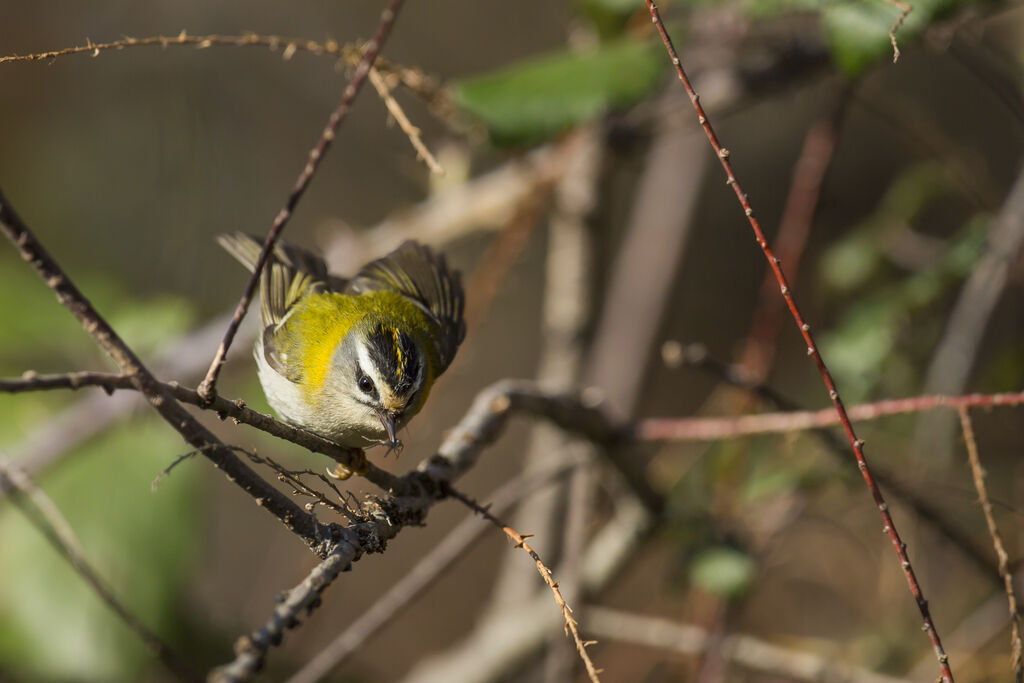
(129, 163)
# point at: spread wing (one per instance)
(422, 275)
(290, 274)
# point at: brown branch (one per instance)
(545, 573)
(978, 474)
(224, 408)
(713, 428)
(289, 46)
(207, 388)
(194, 433)
(812, 350)
(427, 570)
(43, 514)
(411, 131)
(905, 9)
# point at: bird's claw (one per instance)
(356, 465)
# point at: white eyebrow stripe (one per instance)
(384, 392)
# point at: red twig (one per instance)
(710, 428)
(812, 350)
(207, 388)
(997, 541)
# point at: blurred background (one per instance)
(601, 248)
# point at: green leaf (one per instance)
(538, 98)
(723, 571)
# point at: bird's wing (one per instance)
(422, 275)
(291, 273)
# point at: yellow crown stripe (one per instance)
(398, 351)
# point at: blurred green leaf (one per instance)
(40, 334)
(541, 97)
(723, 571)
(146, 325)
(850, 262)
(143, 543)
(861, 347)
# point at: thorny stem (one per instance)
(812, 350)
(520, 540)
(207, 388)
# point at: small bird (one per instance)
(353, 360)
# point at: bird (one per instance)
(352, 360)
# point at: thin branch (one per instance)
(747, 651)
(451, 548)
(194, 433)
(43, 514)
(812, 350)
(289, 46)
(224, 408)
(411, 131)
(207, 388)
(713, 428)
(545, 573)
(997, 541)
(905, 9)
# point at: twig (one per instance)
(47, 518)
(545, 573)
(427, 570)
(236, 410)
(207, 388)
(747, 651)
(411, 131)
(997, 541)
(142, 379)
(288, 45)
(713, 428)
(812, 350)
(905, 9)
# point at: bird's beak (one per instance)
(387, 420)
